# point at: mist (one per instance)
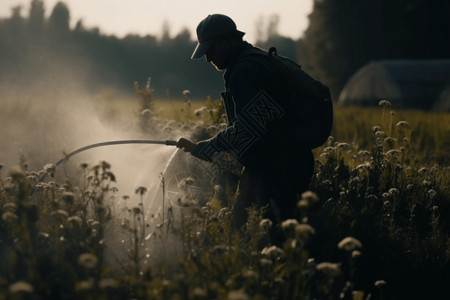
(63, 90)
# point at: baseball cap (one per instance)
(208, 29)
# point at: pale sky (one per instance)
(121, 17)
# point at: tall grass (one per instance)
(374, 224)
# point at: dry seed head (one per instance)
(60, 213)
(385, 103)
(380, 134)
(9, 218)
(68, 197)
(141, 190)
(147, 113)
(380, 283)
(49, 168)
(136, 210)
(108, 283)
(329, 269)
(356, 254)
(349, 244)
(75, 220)
(364, 166)
(85, 284)
(310, 197)
(16, 172)
(402, 124)
(199, 293)
(372, 197)
(10, 206)
(303, 204)
(250, 274)
(272, 252)
(289, 224)
(304, 231)
(423, 171)
(88, 260)
(432, 194)
(324, 155)
(364, 154)
(386, 196)
(344, 146)
(238, 295)
(376, 128)
(394, 192)
(265, 224)
(21, 287)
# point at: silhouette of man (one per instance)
(276, 167)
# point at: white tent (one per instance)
(405, 83)
(443, 101)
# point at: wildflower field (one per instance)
(374, 224)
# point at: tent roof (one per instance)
(406, 83)
(443, 101)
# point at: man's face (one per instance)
(218, 54)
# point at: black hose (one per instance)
(120, 142)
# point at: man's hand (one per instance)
(204, 150)
(185, 144)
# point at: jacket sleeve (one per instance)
(252, 89)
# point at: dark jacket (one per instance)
(257, 111)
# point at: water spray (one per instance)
(186, 144)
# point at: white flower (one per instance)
(16, 172)
(349, 244)
(88, 260)
(329, 269)
(49, 168)
(289, 224)
(394, 192)
(75, 220)
(85, 284)
(21, 287)
(384, 103)
(310, 197)
(9, 217)
(199, 293)
(381, 134)
(304, 231)
(403, 124)
(265, 262)
(344, 146)
(147, 112)
(273, 252)
(238, 295)
(265, 224)
(108, 283)
(379, 283)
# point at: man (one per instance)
(276, 167)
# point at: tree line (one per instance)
(38, 52)
(45, 54)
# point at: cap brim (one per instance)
(201, 49)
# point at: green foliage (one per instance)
(428, 133)
(375, 222)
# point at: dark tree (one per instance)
(344, 35)
(60, 19)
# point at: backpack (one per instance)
(309, 105)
